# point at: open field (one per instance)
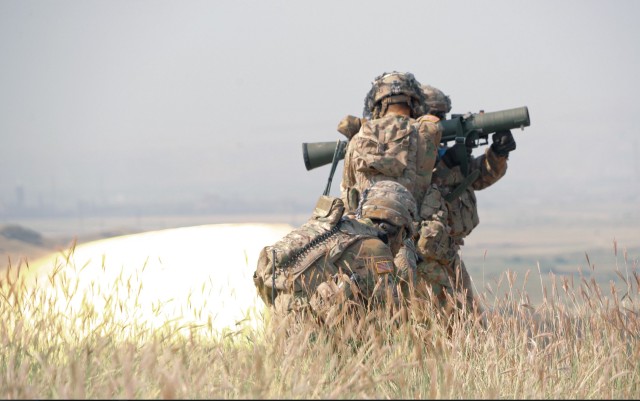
(58, 234)
(589, 241)
(573, 244)
(135, 316)
(84, 331)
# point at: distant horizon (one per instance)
(566, 212)
(110, 105)
(25, 205)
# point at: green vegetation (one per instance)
(61, 338)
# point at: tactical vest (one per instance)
(284, 266)
(463, 209)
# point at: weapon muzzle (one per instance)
(320, 153)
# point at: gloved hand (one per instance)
(451, 158)
(503, 143)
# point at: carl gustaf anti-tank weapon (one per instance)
(470, 129)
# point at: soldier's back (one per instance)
(392, 147)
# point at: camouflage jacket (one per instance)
(463, 210)
(392, 147)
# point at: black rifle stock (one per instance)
(472, 129)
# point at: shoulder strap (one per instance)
(468, 180)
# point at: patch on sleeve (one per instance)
(431, 118)
(384, 266)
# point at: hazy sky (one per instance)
(163, 101)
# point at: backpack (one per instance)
(390, 148)
(386, 147)
(275, 270)
(281, 266)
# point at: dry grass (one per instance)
(581, 342)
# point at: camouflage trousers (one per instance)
(445, 282)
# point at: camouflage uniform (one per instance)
(409, 156)
(443, 225)
(389, 146)
(447, 222)
(334, 265)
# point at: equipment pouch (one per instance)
(434, 242)
(432, 204)
(463, 214)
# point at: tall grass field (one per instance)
(61, 337)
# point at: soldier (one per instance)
(443, 225)
(450, 220)
(335, 264)
(393, 142)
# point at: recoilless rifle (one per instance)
(470, 129)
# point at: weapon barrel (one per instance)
(318, 154)
(487, 122)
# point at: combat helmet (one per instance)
(390, 201)
(394, 87)
(437, 101)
